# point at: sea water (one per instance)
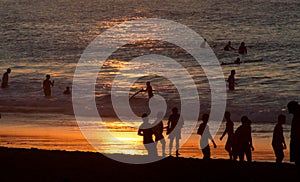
(47, 37)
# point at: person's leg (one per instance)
(248, 154)
(163, 146)
(177, 147)
(241, 155)
(171, 145)
(151, 148)
(206, 152)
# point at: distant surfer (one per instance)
(237, 61)
(228, 47)
(47, 84)
(242, 48)
(148, 89)
(203, 44)
(67, 91)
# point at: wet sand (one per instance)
(44, 165)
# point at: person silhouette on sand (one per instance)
(242, 48)
(231, 80)
(4, 83)
(278, 142)
(229, 131)
(175, 124)
(242, 142)
(158, 132)
(203, 130)
(294, 108)
(228, 47)
(145, 130)
(47, 85)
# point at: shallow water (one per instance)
(43, 37)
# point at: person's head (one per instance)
(229, 42)
(281, 119)
(48, 76)
(238, 59)
(205, 118)
(243, 44)
(227, 115)
(245, 120)
(8, 70)
(232, 72)
(174, 110)
(67, 88)
(293, 106)
(148, 83)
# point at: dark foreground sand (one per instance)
(62, 166)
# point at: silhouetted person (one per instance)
(158, 132)
(242, 142)
(5, 78)
(203, 44)
(229, 131)
(228, 47)
(294, 108)
(231, 80)
(47, 84)
(242, 48)
(175, 124)
(67, 91)
(278, 142)
(237, 61)
(148, 89)
(203, 130)
(145, 130)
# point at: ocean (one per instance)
(49, 37)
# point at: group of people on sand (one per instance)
(174, 126)
(47, 84)
(239, 142)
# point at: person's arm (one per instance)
(251, 144)
(215, 146)
(282, 138)
(52, 83)
(140, 133)
(224, 133)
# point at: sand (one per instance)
(45, 165)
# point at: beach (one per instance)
(61, 132)
(62, 166)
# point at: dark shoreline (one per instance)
(45, 165)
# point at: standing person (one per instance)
(148, 89)
(203, 130)
(242, 143)
(175, 124)
(231, 80)
(229, 131)
(158, 132)
(278, 142)
(228, 47)
(242, 49)
(145, 130)
(47, 85)
(5, 78)
(294, 108)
